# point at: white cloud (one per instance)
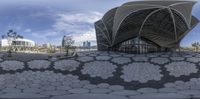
(27, 30)
(44, 34)
(76, 22)
(36, 35)
(88, 36)
(81, 17)
(79, 25)
(47, 37)
(15, 27)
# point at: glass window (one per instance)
(135, 46)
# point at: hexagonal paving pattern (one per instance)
(11, 65)
(39, 64)
(99, 69)
(160, 60)
(177, 58)
(69, 65)
(193, 59)
(103, 58)
(121, 60)
(181, 68)
(140, 59)
(103, 75)
(85, 59)
(142, 72)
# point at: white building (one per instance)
(18, 44)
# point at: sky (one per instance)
(47, 21)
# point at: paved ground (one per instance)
(25, 56)
(102, 75)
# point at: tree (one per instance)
(11, 36)
(196, 46)
(68, 43)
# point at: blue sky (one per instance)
(46, 21)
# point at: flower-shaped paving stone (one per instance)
(12, 65)
(140, 59)
(164, 55)
(81, 54)
(99, 69)
(85, 59)
(140, 55)
(188, 55)
(39, 64)
(152, 55)
(1, 55)
(104, 54)
(38, 82)
(93, 54)
(177, 58)
(69, 65)
(115, 55)
(197, 55)
(121, 60)
(103, 57)
(129, 55)
(160, 60)
(193, 59)
(181, 68)
(175, 55)
(142, 72)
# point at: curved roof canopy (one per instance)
(163, 22)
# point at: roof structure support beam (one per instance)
(150, 7)
(115, 31)
(185, 19)
(174, 22)
(103, 44)
(103, 33)
(106, 30)
(148, 16)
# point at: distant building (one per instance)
(47, 45)
(63, 41)
(86, 44)
(19, 44)
(44, 45)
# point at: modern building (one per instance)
(63, 41)
(47, 45)
(18, 44)
(86, 44)
(145, 26)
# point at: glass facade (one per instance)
(138, 45)
(22, 43)
(103, 40)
